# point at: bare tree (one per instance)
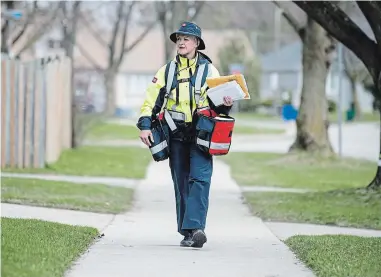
(116, 46)
(30, 24)
(339, 25)
(171, 14)
(312, 122)
(71, 12)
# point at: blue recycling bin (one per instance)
(289, 112)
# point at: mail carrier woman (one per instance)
(191, 168)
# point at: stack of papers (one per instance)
(239, 78)
(232, 89)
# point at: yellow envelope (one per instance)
(239, 78)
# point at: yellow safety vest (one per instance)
(186, 102)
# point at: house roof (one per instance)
(148, 55)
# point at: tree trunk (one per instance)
(355, 98)
(70, 41)
(168, 47)
(5, 37)
(312, 121)
(110, 78)
(376, 182)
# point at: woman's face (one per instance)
(186, 45)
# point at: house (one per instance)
(142, 62)
(138, 66)
(282, 71)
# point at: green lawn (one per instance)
(128, 162)
(333, 117)
(65, 195)
(350, 207)
(364, 117)
(298, 171)
(249, 130)
(338, 255)
(113, 131)
(255, 116)
(34, 248)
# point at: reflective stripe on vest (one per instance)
(169, 120)
(213, 145)
(177, 115)
(160, 147)
(197, 85)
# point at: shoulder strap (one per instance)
(200, 81)
(169, 76)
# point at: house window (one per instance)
(55, 43)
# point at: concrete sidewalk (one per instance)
(110, 181)
(284, 230)
(71, 217)
(144, 242)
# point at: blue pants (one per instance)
(191, 172)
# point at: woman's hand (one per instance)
(228, 101)
(145, 136)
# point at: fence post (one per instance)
(37, 114)
(29, 115)
(44, 107)
(49, 113)
(21, 122)
(12, 111)
(4, 81)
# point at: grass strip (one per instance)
(128, 162)
(339, 255)
(35, 248)
(84, 197)
(359, 208)
(299, 171)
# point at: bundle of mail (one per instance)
(232, 85)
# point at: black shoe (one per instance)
(187, 241)
(198, 238)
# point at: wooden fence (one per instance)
(35, 111)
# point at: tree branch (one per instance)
(298, 27)
(340, 26)
(41, 31)
(26, 23)
(127, 18)
(140, 38)
(88, 57)
(95, 34)
(372, 13)
(115, 32)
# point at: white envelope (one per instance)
(231, 89)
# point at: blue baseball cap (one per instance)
(191, 29)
